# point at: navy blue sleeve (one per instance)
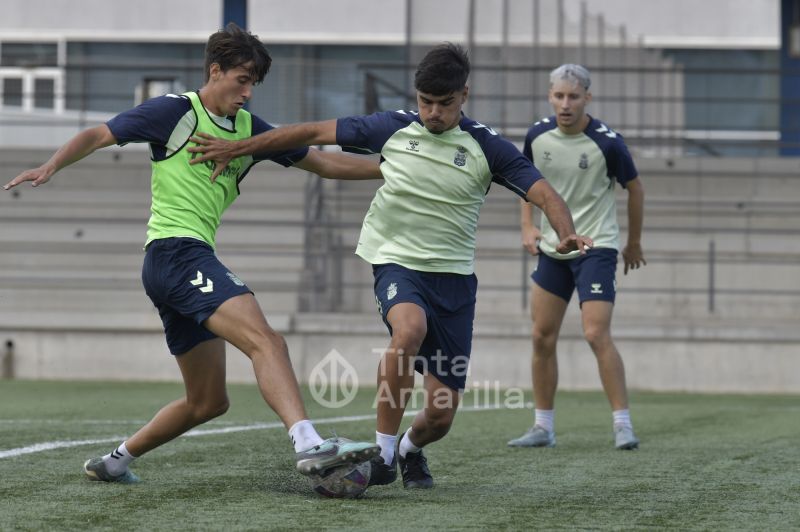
(508, 166)
(527, 150)
(620, 163)
(368, 134)
(285, 158)
(618, 159)
(152, 121)
(511, 169)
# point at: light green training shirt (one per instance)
(582, 168)
(425, 216)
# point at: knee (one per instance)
(597, 337)
(210, 409)
(439, 422)
(277, 341)
(409, 336)
(267, 342)
(219, 408)
(544, 342)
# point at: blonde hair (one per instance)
(571, 72)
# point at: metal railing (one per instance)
(662, 109)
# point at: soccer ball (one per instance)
(346, 481)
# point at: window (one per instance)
(27, 54)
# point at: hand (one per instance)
(530, 239)
(633, 256)
(211, 149)
(37, 176)
(573, 242)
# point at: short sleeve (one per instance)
(151, 121)
(507, 165)
(368, 134)
(620, 163)
(527, 149)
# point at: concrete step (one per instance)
(134, 232)
(128, 298)
(727, 240)
(755, 308)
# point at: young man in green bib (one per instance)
(202, 304)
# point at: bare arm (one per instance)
(78, 147)
(632, 253)
(543, 196)
(529, 232)
(339, 166)
(283, 138)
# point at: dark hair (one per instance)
(443, 70)
(233, 47)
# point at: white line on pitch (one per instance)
(75, 422)
(66, 444)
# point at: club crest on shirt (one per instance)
(391, 291)
(461, 156)
(584, 162)
(413, 145)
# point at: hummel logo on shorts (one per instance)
(197, 281)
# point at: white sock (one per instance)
(117, 461)
(622, 418)
(304, 436)
(406, 446)
(386, 442)
(545, 419)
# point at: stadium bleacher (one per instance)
(72, 251)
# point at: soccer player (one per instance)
(582, 158)
(419, 235)
(200, 301)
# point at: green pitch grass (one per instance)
(706, 462)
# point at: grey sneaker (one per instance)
(95, 469)
(625, 439)
(333, 452)
(537, 436)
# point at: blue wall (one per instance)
(235, 11)
(790, 82)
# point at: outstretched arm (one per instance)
(81, 145)
(543, 196)
(283, 138)
(339, 166)
(632, 253)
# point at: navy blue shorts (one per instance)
(593, 274)
(448, 300)
(187, 283)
